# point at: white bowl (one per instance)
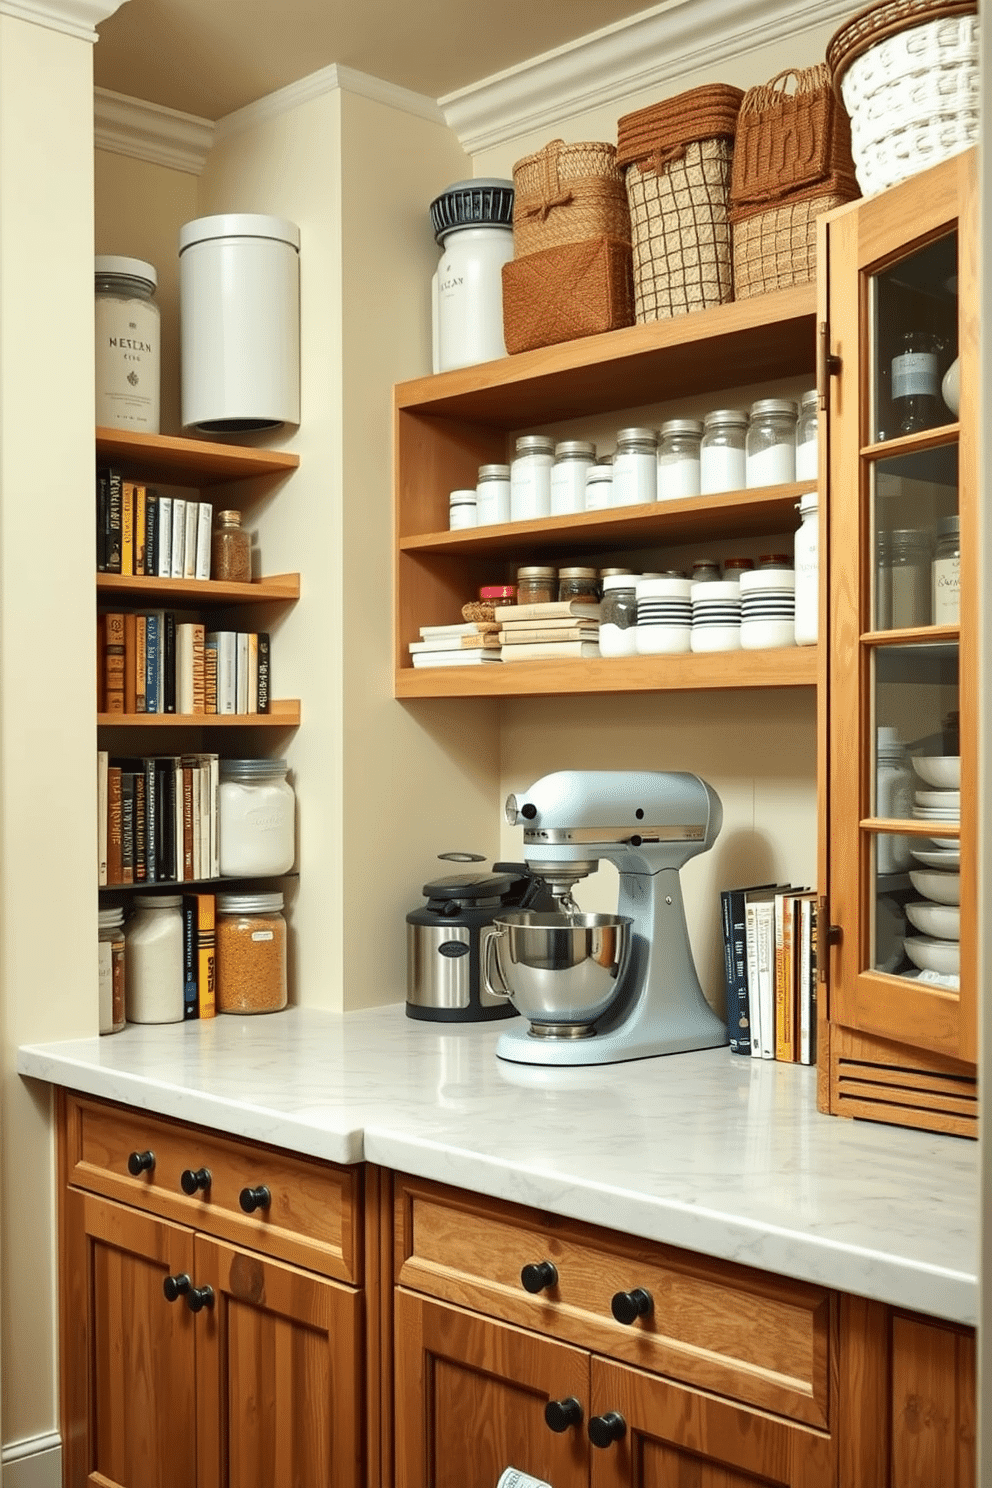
(942, 771)
(941, 920)
(942, 956)
(942, 856)
(941, 888)
(939, 800)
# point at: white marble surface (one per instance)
(722, 1155)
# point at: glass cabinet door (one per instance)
(900, 309)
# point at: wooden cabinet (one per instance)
(900, 301)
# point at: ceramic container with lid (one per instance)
(128, 346)
(153, 939)
(473, 226)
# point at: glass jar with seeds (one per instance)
(251, 953)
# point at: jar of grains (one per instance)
(251, 953)
(153, 991)
(256, 818)
(230, 550)
(111, 972)
(537, 585)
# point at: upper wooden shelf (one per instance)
(278, 588)
(187, 462)
(284, 713)
(747, 341)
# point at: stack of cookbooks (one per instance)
(468, 643)
(558, 630)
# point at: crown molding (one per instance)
(73, 17)
(329, 80)
(147, 131)
(671, 40)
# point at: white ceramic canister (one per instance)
(462, 509)
(473, 226)
(492, 495)
(128, 347)
(239, 305)
(768, 608)
(807, 560)
(573, 457)
(664, 615)
(722, 460)
(257, 818)
(530, 477)
(635, 467)
(153, 939)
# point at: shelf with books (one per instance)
(275, 589)
(188, 462)
(284, 713)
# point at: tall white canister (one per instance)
(239, 303)
(473, 226)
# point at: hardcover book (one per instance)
(114, 844)
(113, 692)
(264, 672)
(115, 520)
(178, 536)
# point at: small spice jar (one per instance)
(775, 560)
(678, 459)
(734, 567)
(537, 585)
(573, 457)
(618, 616)
(578, 583)
(492, 495)
(530, 478)
(946, 572)
(807, 466)
(635, 467)
(153, 990)
(111, 969)
(722, 461)
(599, 487)
(704, 571)
(256, 818)
(771, 442)
(461, 510)
(498, 595)
(127, 344)
(230, 549)
(251, 953)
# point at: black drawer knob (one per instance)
(175, 1286)
(193, 1179)
(606, 1429)
(535, 1278)
(561, 1414)
(629, 1306)
(251, 1199)
(197, 1298)
(140, 1162)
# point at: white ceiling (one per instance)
(210, 57)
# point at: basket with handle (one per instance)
(568, 193)
(908, 73)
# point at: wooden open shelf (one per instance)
(278, 589)
(187, 462)
(285, 713)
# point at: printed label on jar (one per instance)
(262, 935)
(914, 372)
(127, 365)
(946, 591)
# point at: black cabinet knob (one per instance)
(561, 1414)
(140, 1162)
(629, 1306)
(175, 1286)
(193, 1179)
(535, 1278)
(606, 1429)
(197, 1298)
(251, 1199)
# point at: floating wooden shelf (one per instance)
(285, 713)
(279, 588)
(187, 462)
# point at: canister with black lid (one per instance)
(473, 226)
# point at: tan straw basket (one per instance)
(573, 290)
(677, 156)
(568, 194)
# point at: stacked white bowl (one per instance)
(768, 608)
(664, 616)
(938, 881)
(716, 615)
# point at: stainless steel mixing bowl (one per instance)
(559, 970)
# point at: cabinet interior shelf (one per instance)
(285, 713)
(276, 589)
(910, 827)
(187, 462)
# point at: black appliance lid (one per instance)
(468, 886)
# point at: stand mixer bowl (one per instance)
(561, 971)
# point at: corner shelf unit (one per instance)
(446, 426)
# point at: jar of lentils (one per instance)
(537, 585)
(251, 953)
(578, 583)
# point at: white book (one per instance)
(177, 768)
(102, 766)
(765, 933)
(189, 540)
(196, 781)
(241, 672)
(165, 537)
(204, 528)
(178, 535)
(452, 643)
(470, 627)
(226, 673)
(455, 658)
(213, 807)
(252, 672)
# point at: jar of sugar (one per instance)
(256, 818)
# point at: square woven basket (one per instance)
(573, 290)
(568, 194)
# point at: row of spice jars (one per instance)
(543, 584)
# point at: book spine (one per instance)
(115, 520)
(198, 676)
(151, 533)
(753, 983)
(101, 521)
(113, 662)
(189, 540)
(140, 827)
(178, 536)
(210, 674)
(114, 845)
(152, 853)
(127, 827)
(782, 1020)
(140, 661)
(252, 672)
(164, 569)
(127, 528)
(813, 979)
(151, 663)
(102, 765)
(214, 804)
(206, 938)
(203, 532)
(264, 672)
(169, 663)
(728, 972)
(130, 680)
(241, 672)
(802, 981)
(187, 837)
(190, 959)
(140, 515)
(738, 945)
(766, 976)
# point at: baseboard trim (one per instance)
(34, 1462)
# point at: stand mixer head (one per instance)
(648, 823)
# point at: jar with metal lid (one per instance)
(461, 509)
(230, 550)
(578, 583)
(251, 953)
(734, 567)
(771, 442)
(704, 571)
(909, 578)
(256, 818)
(492, 495)
(635, 467)
(128, 346)
(111, 973)
(946, 572)
(613, 573)
(573, 457)
(618, 616)
(498, 595)
(807, 429)
(807, 548)
(530, 478)
(775, 560)
(153, 935)
(537, 585)
(678, 459)
(599, 487)
(722, 461)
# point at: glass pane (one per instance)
(914, 504)
(915, 733)
(915, 915)
(913, 340)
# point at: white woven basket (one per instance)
(913, 100)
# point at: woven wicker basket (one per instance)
(908, 72)
(573, 290)
(568, 194)
(678, 157)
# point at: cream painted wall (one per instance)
(48, 899)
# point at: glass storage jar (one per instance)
(461, 509)
(678, 459)
(537, 584)
(734, 567)
(771, 442)
(704, 571)
(251, 953)
(722, 461)
(807, 464)
(230, 550)
(492, 495)
(599, 487)
(909, 578)
(256, 818)
(573, 457)
(618, 616)
(111, 969)
(127, 344)
(153, 935)
(635, 467)
(530, 478)
(946, 572)
(578, 583)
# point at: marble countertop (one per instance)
(719, 1154)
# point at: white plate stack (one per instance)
(768, 608)
(936, 914)
(716, 615)
(664, 616)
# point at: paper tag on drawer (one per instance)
(512, 1477)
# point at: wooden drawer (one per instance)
(758, 1339)
(313, 1219)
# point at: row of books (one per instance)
(157, 819)
(199, 956)
(154, 663)
(141, 532)
(770, 954)
(526, 632)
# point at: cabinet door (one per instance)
(902, 309)
(470, 1400)
(672, 1435)
(278, 1375)
(128, 1371)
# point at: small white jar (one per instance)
(599, 487)
(530, 478)
(128, 346)
(771, 442)
(722, 460)
(257, 818)
(154, 951)
(492, 495)
(635, 467)
(807, 546)
(678, 459)
(461, 509)
(573, 457)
